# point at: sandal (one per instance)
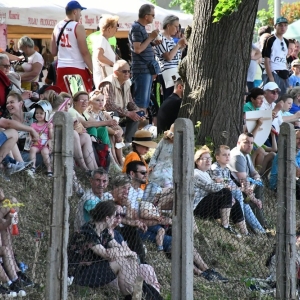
(49, 174)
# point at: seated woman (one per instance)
(96, 109)
(30, 71)
(214, 199)
(96, 129)
(161, 162)
(103, 259)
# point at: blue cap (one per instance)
(281, 20)
(74, 5)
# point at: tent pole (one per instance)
(277, 8)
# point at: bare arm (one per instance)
(140, 47)
(102, 58)
(255, 55)
(268, 69)
(36, 70)
(81, 40)
(53, 45)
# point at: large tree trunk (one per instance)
(216, 67)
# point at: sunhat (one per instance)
(144, 138)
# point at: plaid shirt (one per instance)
(109, 95)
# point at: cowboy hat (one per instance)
(143, 138)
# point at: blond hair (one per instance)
(108, 21)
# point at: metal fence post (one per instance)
(286, 214)
(57, 264)
(182, 228)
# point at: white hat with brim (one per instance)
(144, 138)
(271, 86)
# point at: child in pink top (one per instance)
(45, 130)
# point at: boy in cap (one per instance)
(294, 79)
(275, 52)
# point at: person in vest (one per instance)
(72, 51)
(116, 91)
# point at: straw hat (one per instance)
(144, 138)
(201, 151)
(169, 134)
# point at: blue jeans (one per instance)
(150, 235)
(249, 216)
(142, 84)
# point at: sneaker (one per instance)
(230, 230)
(16, 286)
(31, 172)
(28, 163)
(15, 168)
(8, 294)
(218, 275)
(160, 248)
(26, 282)
(208, 275)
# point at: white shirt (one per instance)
(278, 120)
(135, 196)
(68, 50)
(102, 43)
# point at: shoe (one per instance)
(49, 174)
(26, 282)
(31, 172)
(160, 248)
(28, 163)
(230, 230)
(8, 294)
(16, 286)
(208, 275)
(217, 275)
(15, 168)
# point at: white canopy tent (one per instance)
(45, 14)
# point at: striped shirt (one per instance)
(138, 34)
(167, 46)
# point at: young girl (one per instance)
(42, 111)
(161, 162)
(97, 111)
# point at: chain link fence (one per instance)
(106, 255)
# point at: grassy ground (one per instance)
(234, 258)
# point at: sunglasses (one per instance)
(141, 172)
(282, 46)
(122, 215)
(95, 93)
(5, 66)
(125, 71)
(274, 92)
(151, 15)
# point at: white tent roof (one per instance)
(47, 13)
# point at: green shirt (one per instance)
(90, 40)
(249, 107)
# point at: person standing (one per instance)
(275, 53)
(72, 51)
(143, 54)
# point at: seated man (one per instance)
(99, 182)
(168, 111)
(241, 168)
(116, 91)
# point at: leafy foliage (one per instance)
(225, 8)
(291, 11)
(185, 5)
(266, 17)
(153, 2)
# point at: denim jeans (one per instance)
(142, 84)
(250, 218)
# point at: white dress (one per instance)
(103, 43)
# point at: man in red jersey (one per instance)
(72, 51)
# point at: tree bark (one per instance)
(215, 71)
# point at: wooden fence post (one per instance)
(286, 214)
(182, 225)
(57, 264)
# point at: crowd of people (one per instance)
(114, 108)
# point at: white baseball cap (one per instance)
(271, 86)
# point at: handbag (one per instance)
(153, 65)
(101, 153)
(284, 74)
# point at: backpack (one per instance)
(101, 155)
